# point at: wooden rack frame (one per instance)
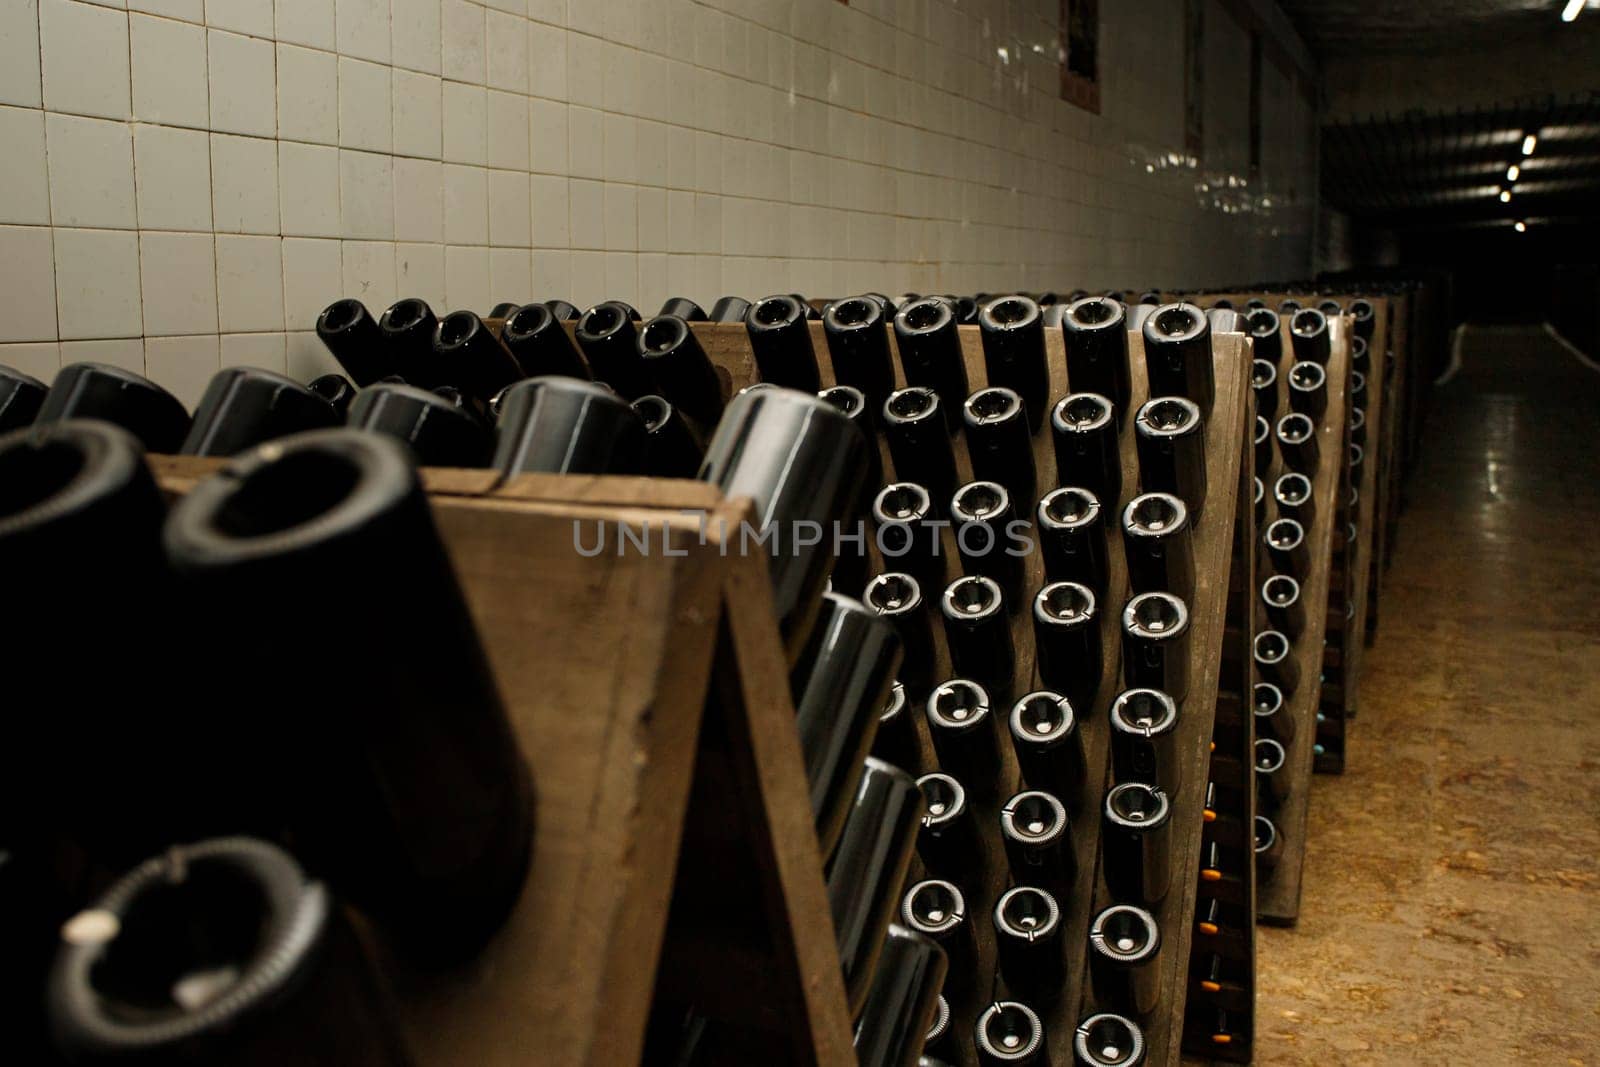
(650, 697)
(729, 348)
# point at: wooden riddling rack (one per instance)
(729, 348)
(632, 682)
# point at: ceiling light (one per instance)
(1505, 196)
(1513, 172)
(1520, 226)
(1528, 143)
(1572, 9)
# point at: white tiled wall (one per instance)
(188, 182)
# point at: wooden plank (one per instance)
(1278, 898)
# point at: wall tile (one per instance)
(621, 218)
(263, 350)
(244, 184)
(508, 209)
(249, 283)
(127, 353)
(254, 17)
(307, 22)
(178, 282)
(363, 29)
(97, 283)
(85, 59)
(306, 357)
(91, 172)
(366, 108)
(40, 359)
(366, 195)
(549, 207)
(587, 200)
(308, 190)
(418, 200)
(241, 82)
(547, 137)
(552, 273)
(185, 365)
(419, 272)
(19, 53)
(414, 34)
(308, 95)
(465, 123)
(511, 274)
(172, 173)
(183, 10)
(466, 205)
(547, 61)
(368, 273)
(506, 40)
(461, 41)
(418, 115)
(507, 127)
(169, 72)
(466, 277)
(23, 174)
(27, 275)
(312, 279)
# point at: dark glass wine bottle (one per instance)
(1049, 745)
(1170, 435)
(540, 344)
(610, 342)
(1177, 354)
(1309, 333)
(961, 726)
(1144, 739)
(931, 355)
(407, 330)
(948, 842)
(978, 633)
(937, 909)
(1038, 840)
(244, 406)
(1155, 644)
(1096, 333)
(903, 514)
(439, 433)
(120, 397)
(1125, 959)
(902, 1001)
(21, 396)
(858, 346)
(1072, 538)
(673, 447)
(683, 308)
(1010, 1034)
(919, 444)
(1135, 859)
(998, 442)
(1308, 389)
(336, 389)
(898, 596)
(1066, 636)
(557, 425)
(1158, 542)
(348, 331)
(1083, 428)
(1265, 330)
(680, 368)
(422, 820)
(1012, 331)
(471, 357)
(1108, 1040)
(781, 343)
(729, 309)
(982, 515)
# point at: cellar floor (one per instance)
(1452, 889)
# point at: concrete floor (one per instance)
(1452, 894)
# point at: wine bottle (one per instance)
(1286, 546)
(1150, 297)
(898, 596)
(407, 330)
(680, 369)
(1264, 383)
(469, 356)
(673, 447)
(839, 685)
(1028, 948)
(1360, 355)
(1292, 492)
(1330, 307)
(1268, 846)
(222, 951)
(1135, 860)
(997, 441)
(1155, 644)
(1358, 387)
(1266, 332)
(439, 433)
(938, 1037)
(1170, 434)
(1272, 776)
(858, 345)
(1072, 538)
(1125, 959)
(937, 909)
(348, 331)
(1271, 719)
(244, 406)
(1365, 316)
(540, 345)
(897, 740)
(1009, 1034)
(1289, 306)
(1138, 315)
(1083, 428)
(1308, 389)
(868, 870)
(564, 310)
(80, 529)
(336, 389)
(1259, 496)
(781, 343)
(1066, 637)
(979, 634)
(729, 309)
(1108, 1040)
(966, 310)
(961, 725)
(1096, 335)
(1221, 303)
(1275, 662)
(852, 404)
(1038, 842)
(1177, 354)
(559, 425)
(1144, 739)
(1012, 332)
(919, 444)
(683, 308)
(903, 514)
(1358, 426)
(1223, 320)
(982, 515)
(21, 396)
(1263, 444)
(948, 841)
(1049, 745)
(120, 397)
(1297, 442)
(1310, 336)
(610, 341)
(804, 465)
(902, 1001)
(1254, 303)
(421, 819)
(931, 355)
(1158, 542)
(1280, 596)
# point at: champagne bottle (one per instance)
(1144, 739)
(1066, 637)
(1108, 1040)
(222, 951)
(1028, 948)
(982, 514)
(1297, 442)
(1177, 354)
(407, 331)
(1125, 959)
(1271, 771)
(1309, 333)
(1135, 860)
(730, 309)
(1010, 1034)
(1286, 612)
(680, 369)
(979, 634)
(1266, 331)
(1263, 444)
(1286, 546)
(423, 820)
(903, 515)
(1264, 383)
(902, 1001)
(348, 331)
(1275, 662)
(673, 447)
(1268, 846)
(858, 345)
(336, 389)
(1096, 334)
(1049, 745)
(610, 340)
(564, 310)
(121, 397)
(931, 355)
(781, 343)
(898, 741)
(997, 440)
(1155, 644)
(961, 724)
(540, 344)
(561, 425)
(21, 396)
(1170, 434)
(1083, 428)
(948, 841)
(1271, 719)
(438, 433)
(919, 444)
(1038, 842)
(244, 406)
(937, 909)
(1012, 331)
(897, 596)
(1158, 542)
(1072, 538)
(684, 308)
(1308, 389)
